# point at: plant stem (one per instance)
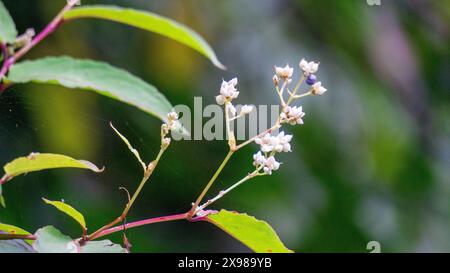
(50, 28)
(5, 66)
(230, 133)
(275, 126)
(169, 218)
(280, 93)
(296, 88)
(210, 183)
(302, 95)
(17, 236)
(4, 179)
(151, 167)
(224, 192)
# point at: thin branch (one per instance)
(4, 179)
(274, 127)
(119, 219)
(130, 147)
(17, 236)
(230, 133)
(5, 66)
(210, 183)
(224, 192)
(150, 221)
(49, 29)
(296, 88)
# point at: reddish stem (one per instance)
(17, 236)
(5, 65)
(175, 217)
(169, 218)
(49, 29)
(4, 179)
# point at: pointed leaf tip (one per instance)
(69, 210)
(258, 235)
(151, 22)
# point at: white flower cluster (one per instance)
(268, 164)
(227, 94)
(309, 67)
(172, 124)
(228, 91)
(284, 73)
(318, 89)
(279, 143)
(292, 115)
(271, 144)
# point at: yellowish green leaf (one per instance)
(69, 210)
(130, 147)
(10, 229)
(37, 162)
(258, 235)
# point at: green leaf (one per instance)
(51, 240)
(93, 76)
(105, 246)
(150, 22)
(37, 162)
(256, 234)
(10, 229)
(69, 210)
(8, 32)
(13, 229)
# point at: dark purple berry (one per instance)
(311, 79)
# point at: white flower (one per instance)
(259, 159)
(309, 67)
(228, 91)
(246, 109)
(172, 123)
(318, 89)
(279, 143)
(271, 165)
(284, 73)
(292, 115)
(266, 143)
(283, 141)
(171, 116)
(268, 164)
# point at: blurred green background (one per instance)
(372, 161)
